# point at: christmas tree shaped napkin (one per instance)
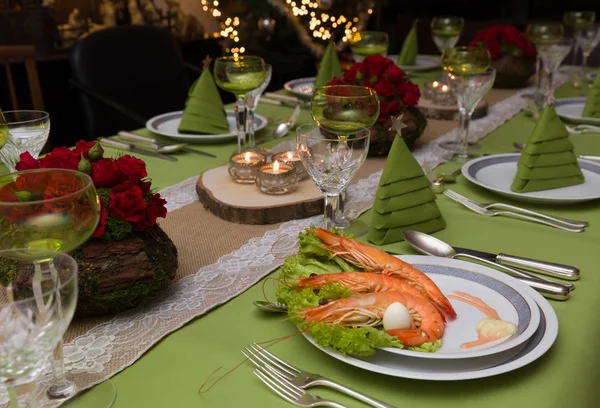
(548, 160)
(592, 105)
(404, 199)
(329, 67)
(410, 48)
(204, 111)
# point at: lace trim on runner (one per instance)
(114, 345)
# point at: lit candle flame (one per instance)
(444, 88)
(290, 155)
(435, 84)
(247, 156)
(275, 166)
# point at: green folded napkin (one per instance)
(548, 160)
(389, 236)
(592, 105)
(410, 48)
(204, 111)
(404, 199)
(329, 68)
(401, 202)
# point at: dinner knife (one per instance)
(134, 137)
(130, 147)
(547, 268)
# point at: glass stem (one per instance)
(575, 50)
(250, 126)
(58, 366)
(538, 73)
(240, 120)
(463, 133)
(341, 203)
(330, 206)
(549, 95)
(12, 396)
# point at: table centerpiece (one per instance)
(513, 56)
(397, 96)
(129, 257)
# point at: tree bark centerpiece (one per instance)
(129, 257)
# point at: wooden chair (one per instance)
(15, 54)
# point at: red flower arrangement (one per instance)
(503, 40)
(127, 202)
(397, 95)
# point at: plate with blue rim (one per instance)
(571, 110)
(167, 125)
(303, 87)
(423, 63)
(496, 173)
(407, 366)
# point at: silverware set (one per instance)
(290, 383)
(283, 100)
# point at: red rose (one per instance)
(83, 147)
(102, 223)
(7, 194)
(155, 207)
(394, 73)
(384, 87)
(33, 182)
(106, 173)
(145, 186)
(62, 189)
(61, 158)
(353, 75)
(410, 98)
(132, 167)
(127, 202)
(383, 111)
(27, 162)
(529, 50)
(494, 49)
(394, 107)
(336, 81)
(510, 35)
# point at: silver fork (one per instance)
(484, 211)
(303, 379)
(502, 206)
(292, 393)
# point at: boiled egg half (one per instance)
(396, 316)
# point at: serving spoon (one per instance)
(272, 307)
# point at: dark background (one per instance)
(290, 59)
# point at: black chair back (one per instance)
(138, 67)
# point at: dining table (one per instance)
(176, 361)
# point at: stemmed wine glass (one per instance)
(576, 20)
(446, 31)
(469, 78)
(541, 34)
(342, 110)
(35, 312)
(252, 99)
(552, 55)
(240, 75)
(28, 131)
(49, 210)
(365, 43)
(587, 38)
(331, 160)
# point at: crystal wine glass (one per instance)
(552, 55)
(342, 109)
(35, 311)
(365, 43)
(469, 78)
(50, 210)
(446, 31)
(541, 34)
(587, 38)
(28, 131)
(331, 160)
(575, 20)
(252, 99)
(240, 75)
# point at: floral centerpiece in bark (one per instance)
(513, 56)
(397, 95)
(129, 257)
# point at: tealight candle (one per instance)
(439, 93)
(276, 178)
(292, 158)
(242, 166)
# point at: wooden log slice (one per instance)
(449, 112)
(246, 204)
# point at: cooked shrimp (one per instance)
(375, 260)
(368, 309)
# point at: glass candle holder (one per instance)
(439, 93)
(242, 166)
(292, 157)
(276, 178)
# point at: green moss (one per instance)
(116, 229)
(8, 271)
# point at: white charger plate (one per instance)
(303, 87)
(462, 369)
(424, 63)
(497, 172)
(168, 123)
(571, 110)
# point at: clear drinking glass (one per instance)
(331, 160)
(575, 20)
(552, 55)
(542, 34)
(28, 131)
(35, 311)
(365, 43)
(587, 39)
(240, 75)
(47, 210)
(446, 30)
(343, 109)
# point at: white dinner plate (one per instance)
(303, 87)
(571, 110)
(424, 63)
(462, 369)
(497, 172)
(168, 123)
(591, 76)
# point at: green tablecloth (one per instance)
(170, 374)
